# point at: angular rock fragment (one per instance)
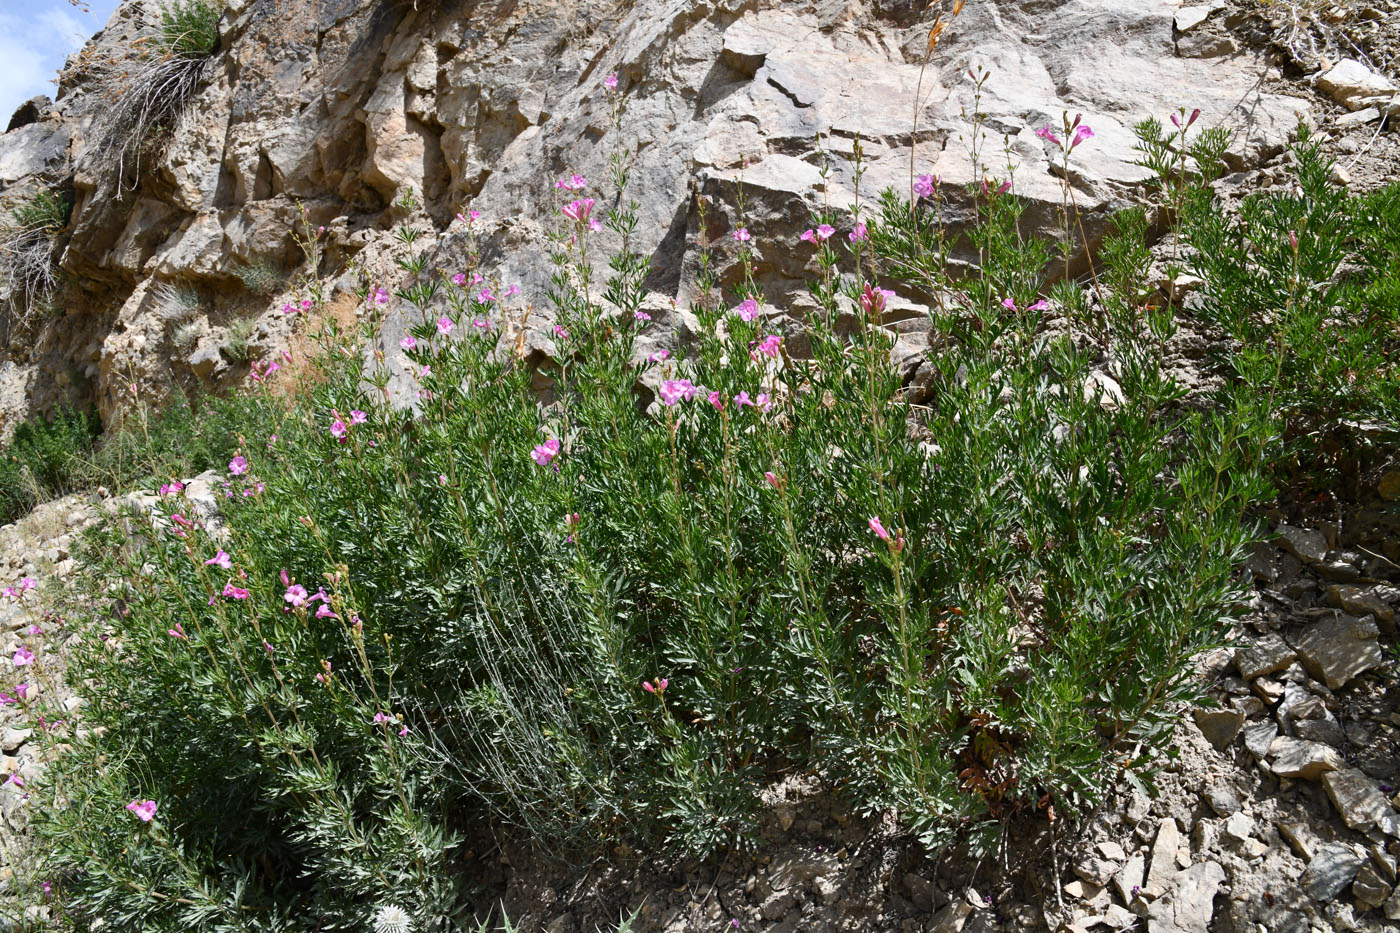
(1333, 868)
(1219, 726)
(1356, 797)
(1338, 650)
(1265, 656)
(1296, 758)
(1305, 544)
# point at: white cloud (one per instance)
(33, 46)
(28, 69)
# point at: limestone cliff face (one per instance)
(341, 105)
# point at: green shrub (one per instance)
(261, 277)
(27, 253)
(190, 28)
(1304, 279)
(47, 457)
(615, 618)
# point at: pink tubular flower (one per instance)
(924, 186)
(22, 691)
(358, 417)
(1009, 304)
(289, 308)
(23, 656)
(872, 300)
(610, 82)
(674, 391)
(742, 399)
(221, 559)
(236, 592)
(145, 810)
(768, 347)
(296, 596)
(238, 465)
(339, 429)
(748, 308)
(485, 296)
(640, 316)
(661, 684)
(381, 718)
(575, 182)
(859, 234)
(560, 332)
(546, 452)
(177, 632)
(459, 279)
(808, 236)
(879, 529)
(716, 400)
(481, 323)
(741, 235)
(764, 401)
(772, 479)
(15, 779)
(825, 231)
(1048, 134)
(408, 343)
(511, 290)
(1081, 134)
(381, 297)
(324, 611)
(26, 584)
(658, 356)
(1041, 305)
(444, 326)
(579, 210)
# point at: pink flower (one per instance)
(741, 235)
(459, 279)
(23, 656)
(238, 465)
(658, 356)
(324, 611)
(15, 779)
(641, 316)
(808, 236)
(358, 417)
(511, 290)
(145, 810)
(1009, 304)
(716, 400)
(763, 402)
(481, 323)
(579, 210)
(879, 529)
(221, 559)
(873, 300)
(26, 584)
(1048, 134)
(381, 297)
(748, 308)
(485, 296)
(772, 479)
(289, 308)
(768, 347)
(560, 332)
(338, 429)
(824, 231)
(408, 343)
(574, 182)
(404, 731)
(859, 234)
(924, 185)
(22, 691)
(381, 718)
(177, 632)
(1041, 305)
(267, 646)
(235, 592)
(444, 326)
(1081, 134)
(661, 684)
(610, 82)
(742, 399)
(296, 595)
(674, 391)
(546, 452)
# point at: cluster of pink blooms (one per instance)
(575, 182)
(661, 684)
(747, 309)
(872, 300)
(238, 465)
(19, 589)
(21, 693)
(469, 217)
(170, 489)
(262, 369)
(1041, 305)
(1079, 131)
(820, 234)
(306, 304)
(544, 453)
(380, 297)
(610, 82)
(339, 429)
(581, 212)
(384, 719)
(675, 391)
(741, 235)
(297, 597)
(766, 347)
(23, 657)
(859, 234)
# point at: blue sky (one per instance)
(35, 37)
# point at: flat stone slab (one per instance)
(1340, 649)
